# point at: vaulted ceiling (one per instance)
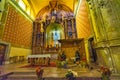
(79, 6)
(39, 4)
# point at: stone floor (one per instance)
(50, 71)
(60, 72)
(13, 67)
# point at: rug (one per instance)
(52, 64)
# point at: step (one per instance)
(78, 78)
(24, 72)
(4, 75)
(115, 76)
(24, 77)
(21, 79)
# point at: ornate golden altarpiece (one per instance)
(66, 19)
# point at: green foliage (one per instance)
(69, 74)
(59, 65)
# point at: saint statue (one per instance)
(63, 56)
(77, 56)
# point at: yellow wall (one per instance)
(82, 21)
(14, 51)
(17, 29)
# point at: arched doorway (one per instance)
(54, 32)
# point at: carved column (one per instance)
(73, 32)
(66, 29)
(42, 36)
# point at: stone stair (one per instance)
(3, 75)
(115, 77)
(23, 75)
(78, 78)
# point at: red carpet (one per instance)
(52, 64)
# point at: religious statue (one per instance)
(63, 56)
(62, 59)
(41, 27)
(77, 56)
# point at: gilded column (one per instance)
(73, 30)
(34, 34)
(66, 29)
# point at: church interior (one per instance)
(59, 36)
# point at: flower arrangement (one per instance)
(39, 72)
(106, 73)
(71, 75)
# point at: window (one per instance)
(56, 35)
(28, 10)
(22, 4)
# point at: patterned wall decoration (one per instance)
(18, 29)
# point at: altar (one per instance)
(41, 59)
(39, 56)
